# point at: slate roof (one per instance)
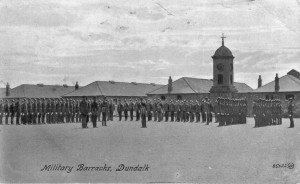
(107, 88)
(39, 91)
(287, 83)
(187, 85)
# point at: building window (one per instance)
(163, 97)
(267, 97)
(220, 79)
(288, 96)
(271, 97)
(179, 97)
(231, 79)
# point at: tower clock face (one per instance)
(220, 67)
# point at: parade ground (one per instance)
(163, 152)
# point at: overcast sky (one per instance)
(63, 41)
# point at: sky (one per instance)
(64, 41)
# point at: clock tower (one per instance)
(223, 79)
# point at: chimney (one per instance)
(170, 85)
(76, 85)
(259, 82)
(7, 90)
(277, 87)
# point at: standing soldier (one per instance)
(52, 112)
(131, 108)
(112, 110)
(43, 110)
(6, 112)
(197, 111)
(137, 107)
(149, 109)
(104, 110)
(159, 111)
(99, 110)
(23, 111)
(192, 111)
(39, 111)
(83, 107)
(30, 113)
(154, 109)
(183, 111)
(1, 111)
(279, 112)
(255, 113)
(34, 111)
(120, 109)
(48, 110)
(67, 110)
(188, 111)
(176, 109)
(94, 109)
(18, 111)
(143, 113)
(172, 110)
(12, 112)
(59, 111)
(291, 107)
(126, 108)
(108, 110)
(166, 110)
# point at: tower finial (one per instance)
(223, 39)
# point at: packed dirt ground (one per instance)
(172, 151)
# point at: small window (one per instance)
(288, 96)
(220, 79)
(163, 97)
(267, 97)
(271, 96)
(231, 79)
(179, 97)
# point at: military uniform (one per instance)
(131, 108)
(148, 110)
(172, 110)
(104, 109)
(12, 112)
(1, 112)
(137, 107)
(126, 108)
(120, 109)
(166, 111)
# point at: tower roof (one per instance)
(223, 51)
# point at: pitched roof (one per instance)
(111, 88)
(39, 91)
(187, 85)
(287, 83)
(2, 92)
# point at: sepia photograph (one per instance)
(150, 91)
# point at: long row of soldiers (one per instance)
(51, 111)
(227, 111)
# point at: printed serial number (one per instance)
(287, 165)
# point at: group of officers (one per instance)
(229, 111)
(267, 112)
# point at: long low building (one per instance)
(114, 90)
(38, 91)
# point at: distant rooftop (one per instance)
(113, 88)
(187, 85)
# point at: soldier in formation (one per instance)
(267, 112)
